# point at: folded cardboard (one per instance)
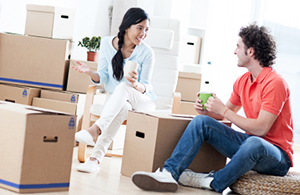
(34, 61)
(79, 82)
(151, 138)
(187, 108)
(18, 94)
(188, 85)
(49, 21)
(57, 105)
(39, 158)
(60, 95)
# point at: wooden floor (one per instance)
(109, 181)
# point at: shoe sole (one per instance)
(148, 183)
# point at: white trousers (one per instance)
(115, 112)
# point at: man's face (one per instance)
(241, 53)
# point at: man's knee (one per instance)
(202, 119)
(254, 144)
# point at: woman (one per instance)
(126, 93)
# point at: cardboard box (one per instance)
(39, 158)
(34, 61)
(60, 95)
(49, 21)
(187, 108)
(190, 49)
(18, 94)
(79, 82)
(188, 85)
(151, 138)
(57, 105)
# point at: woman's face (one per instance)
(138, 32)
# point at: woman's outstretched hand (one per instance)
(82, 68)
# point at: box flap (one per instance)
(190, 75)
(21, 108)
(40, 8)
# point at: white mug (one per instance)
(129, 67)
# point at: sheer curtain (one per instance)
(224, 21)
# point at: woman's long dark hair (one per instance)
(132, 16)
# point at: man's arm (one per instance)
(199, 108)
(258, 127)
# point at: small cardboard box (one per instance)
(34, 61)
(151, 138)
(190, 49)
(188, 85)
(63, 101)
(37, 156)
(187, 108)
(79, 82)
(49, 21)
(57, 105)
(60, 95)
(18, 94)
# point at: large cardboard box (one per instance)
(79, 82)
(37, 148)
(188, 85)
(49, 21)
(18, 94)
(34, 61)
(151, 138)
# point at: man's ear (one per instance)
(250, 51)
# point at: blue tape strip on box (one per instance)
(34, 186)
(31, 82)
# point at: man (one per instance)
(266, 145)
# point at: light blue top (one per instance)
(142, 54)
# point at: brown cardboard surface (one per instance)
(57, 105)
(151, 138)
(187, 108)
(34, 61)
(79, 82)
(18, 94)
(188, 85)
(60, 95)
(40, 157)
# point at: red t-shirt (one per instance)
(271, 93)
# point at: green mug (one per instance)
(204, 97)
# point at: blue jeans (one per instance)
(246, 152)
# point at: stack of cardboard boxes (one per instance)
(35, 71)
(188, 85)
(40, 60)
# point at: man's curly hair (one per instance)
(263, 43)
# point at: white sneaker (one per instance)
(197, 180)
(84, 137)
(161, 181)
(88, 167)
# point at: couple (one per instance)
(266, 145)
